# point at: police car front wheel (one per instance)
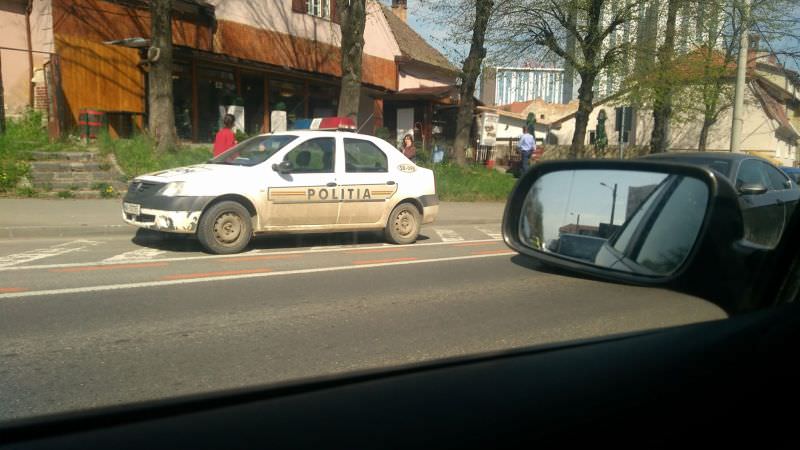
(225, 228)
(403, 225)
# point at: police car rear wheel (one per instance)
(403, 225)
(225, 228)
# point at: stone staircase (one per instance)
(75, 175)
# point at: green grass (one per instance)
(471, 183)
(137, 156)
(22, 136)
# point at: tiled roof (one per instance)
(412, 45)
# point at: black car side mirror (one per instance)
(283, 167)
(752, 189)
(668, 225)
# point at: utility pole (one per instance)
(741, 78)
(613, 200)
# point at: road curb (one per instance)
(66, 231)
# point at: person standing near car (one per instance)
(225, 138)
(526, 146)
(408, 148)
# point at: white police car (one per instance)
(293, 181)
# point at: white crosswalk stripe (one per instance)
(41, 253)
(493, 233)
(448, 235)
(136, 255)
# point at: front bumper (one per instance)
(170, 221)
(171, 214)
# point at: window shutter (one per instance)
(334, 11)
(299, 6)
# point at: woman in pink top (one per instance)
(225, 138)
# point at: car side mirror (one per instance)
(283, 167)
(646, 223)
(752, 189)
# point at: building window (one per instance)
(319, 8)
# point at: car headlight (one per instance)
(172, 189)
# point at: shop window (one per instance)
(182, 97)
(287, 96)
(218, 88)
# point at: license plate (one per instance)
(132, 208)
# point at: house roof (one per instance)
(774, 110)
(502, 112)
(517, 107)
(412, 45)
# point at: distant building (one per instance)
(504, 85)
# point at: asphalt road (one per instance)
(98, 321)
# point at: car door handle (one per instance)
(390, 183)
(331, 184)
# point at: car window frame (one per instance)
(373, 145)
(779, 172)
(281, 156)
(739, 170)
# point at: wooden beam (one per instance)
(237, 75)
(31, 94)
(195, 104)
(377, 109)
(305, 99)
(267, 111)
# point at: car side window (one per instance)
(669, 240)
(313, 156)
(750, 173)
(777, 180)
(364, 156)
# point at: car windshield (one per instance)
(254, 150)
(246, 196)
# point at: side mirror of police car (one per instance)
(646, 223)
(283, 167)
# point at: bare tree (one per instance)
(662, 105)
(161, 112)
(352, 15)
(550, 24)
(469, 77)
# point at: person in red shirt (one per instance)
(225, 138)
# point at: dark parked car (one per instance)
(793, 172)
(767, 196)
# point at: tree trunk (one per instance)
(353, 18)
(585, 99)
(161, 113)
(662, 105)
(469, 77)
(701, 145)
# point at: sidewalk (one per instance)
(28, 218)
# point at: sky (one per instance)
(436, 36)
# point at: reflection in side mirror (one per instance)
(639, 222)
(283, 167)
(752, 189)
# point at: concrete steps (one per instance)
(75, 175)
